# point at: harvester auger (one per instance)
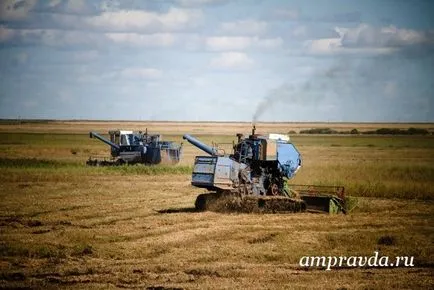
(254, 178)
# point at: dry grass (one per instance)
(64, 225)
(108, 232)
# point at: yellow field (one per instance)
(208, 128)
(65, 225)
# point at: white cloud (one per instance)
(15, 9)
(54, 37)
(368, 39)
(143, 40)
(323, 46)
(57, 38)
(334, 46)
(366, 35)
(200, 2)
(175, 19)
(228, 43)
(142, 73)
(244, 27)
(94, 40)
(232, 60)
(268, 43)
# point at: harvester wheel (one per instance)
(303, 206)
(274, 189)
(205, 201)
(200, 203)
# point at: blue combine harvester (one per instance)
(128, 147)
(254, 178)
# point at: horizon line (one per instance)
(211, 121)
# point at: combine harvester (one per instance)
(254, 178)
(128, 147)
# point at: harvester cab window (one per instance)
(125, 139)
(257, 150)
(130, 139)
(243, 151)
(136, 140)
(249, 152)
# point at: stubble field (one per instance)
(66, 225)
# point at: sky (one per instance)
(218, 60)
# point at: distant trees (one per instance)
(395, 131)
(381, 131)
(319, 131)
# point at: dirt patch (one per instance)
(13, 276)
(386, 240)
(163, 288)
(38, 232)
(34, 223)
(202, 272)
(14, 221)
(262, 239)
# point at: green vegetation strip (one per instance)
(32, 164)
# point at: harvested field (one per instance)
(66, 225)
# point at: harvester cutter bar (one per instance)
(310, 189)
(321, 198)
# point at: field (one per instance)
(66, 225)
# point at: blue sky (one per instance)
(219, 60)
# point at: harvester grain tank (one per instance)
(254, 178)
(128, 147)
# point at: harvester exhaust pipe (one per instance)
(208, 149)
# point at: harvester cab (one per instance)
(276, 149)
(255, 177)
(122, 138)
(125, 138)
